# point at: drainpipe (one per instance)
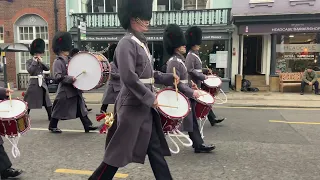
(56, 15)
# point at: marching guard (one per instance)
(113, 86)
(5, 164)
(37, 94)
(136, 130)
(174, 43)
(69, 103)
(194, 64)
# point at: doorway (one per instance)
(252, 55)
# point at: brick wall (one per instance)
(11, 12)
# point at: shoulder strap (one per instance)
(196, 57)
(142, 45)
(179, 60)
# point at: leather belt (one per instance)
(40, 79)
(147, 81)
(198, 70)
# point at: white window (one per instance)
(1, 34)
(26, 34)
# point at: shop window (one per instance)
(294, 52)
(1, 34)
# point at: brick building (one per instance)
(22, 22)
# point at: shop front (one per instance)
(269, 49)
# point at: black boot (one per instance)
(87, 124)
(211, 118)
(10, 173)
(203, 148)
(53, 126)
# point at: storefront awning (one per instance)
(14, 47)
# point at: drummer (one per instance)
(73, 52)
(113, 86)
(174, 44)
(37, 94)
(69, 103)
(5, 164)
(194, 64)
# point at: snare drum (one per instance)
(212, 85)
(14, 120)
(171, 118)
(204, 104)
(91, 70)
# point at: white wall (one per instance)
(235, 58)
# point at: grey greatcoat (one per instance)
(2, 97)
(195, 70)
(113, 87)
(128, 138)
(68, 97)
(177, 61)
(37, 96)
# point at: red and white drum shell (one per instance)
(171, 118)
(96, 67)
(212, 85)
(14, 120)
(204, 104)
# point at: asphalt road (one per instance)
(252, 144)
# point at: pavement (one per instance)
(238, 99)
(254, 143)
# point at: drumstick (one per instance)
(209, 69)
(175, 83)
(167, 106)
(194, 84)
(9, 93)
(81, 73)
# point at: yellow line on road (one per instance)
(63, 130)
(83, 172)
(287, 122)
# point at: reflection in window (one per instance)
(98, 6)
(294, 52)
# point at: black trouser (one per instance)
(104, 108)
(158, 163)
(5, 162)
(195, 136)
(48, 108)
(315, 84)
(86, 122)
(212, 117)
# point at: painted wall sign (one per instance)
(279, 28)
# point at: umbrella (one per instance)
(14, 47)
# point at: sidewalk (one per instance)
(239, 99)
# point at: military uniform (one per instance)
(136, 131)
(5, 163)
(69, 103)
(194, 65)
(173, 38)
(37, 94)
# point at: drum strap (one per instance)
(196, 57)
(143, 46)
(14, 142)
(180, 61)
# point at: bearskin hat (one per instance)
(37, 46)
(62, 41)
(194, 36)
(173, 38)
(127, 9)
(111, 51)
(74, 51)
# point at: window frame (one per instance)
(2, 27)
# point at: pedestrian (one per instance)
(174, 43)
(194, 64)
(6, 171)
(73, 52)
(310, 78)
(136, 131)
(69, 103)
(113, 86)
(37, 94)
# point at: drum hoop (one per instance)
(213, 86)
(165, 114)
(18, 116)
(204, 103)
(92, 54)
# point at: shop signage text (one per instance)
(298, 48)
(279, 28)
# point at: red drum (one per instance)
(91, 70)
(204, 104)
(172, 110)
(212, 85)
(14, 120)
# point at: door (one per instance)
(252, 55)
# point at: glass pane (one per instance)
(25, 37)
(37, 30)
(1, 30)
(1, 36)
(30, 36)
(21, 29)
(30, 30)
(38, 35)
